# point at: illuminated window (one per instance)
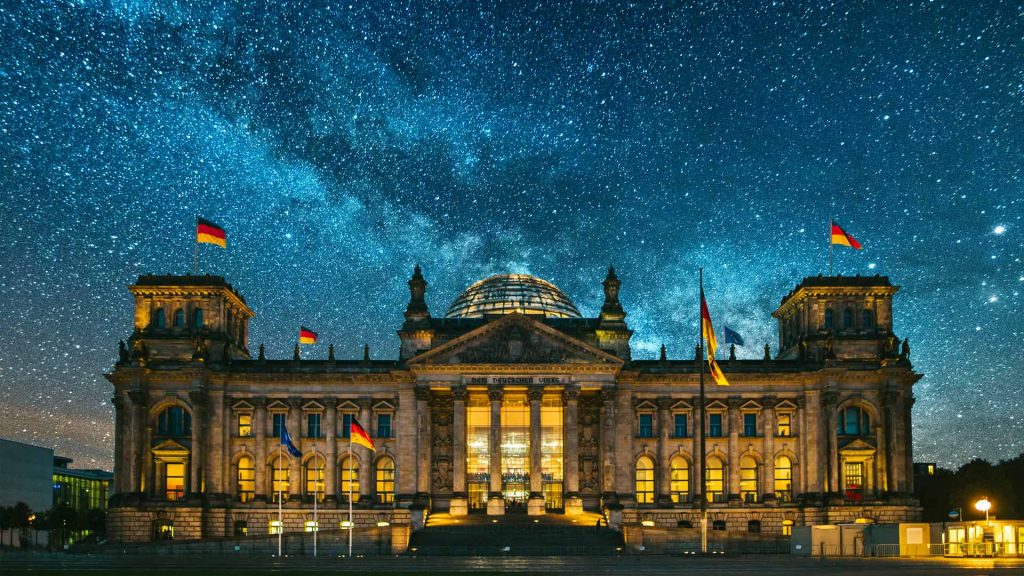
(787, 527)
(784, 426)
(680, 480)
(163, 529)
(179, 318)
(241, 528)
(313, 425)
(246, 479)
(784, 479)
(478, 453)
(350, 479)
(312, 526)
(245, 425)
(385, 481)
(644, 481)
(313, 472)
(174, 421)
(853, 480)
(279, 479)
(679, 421)
(552, 463)
(854, 421)
(646, 422)
(160, 318)
(174, 480)
(748, 479)
(715, 425)
(715, 480)
(750, 424)
(276, 527)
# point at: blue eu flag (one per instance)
(286, 441)
(733, 337)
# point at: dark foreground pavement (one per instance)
(43, 564)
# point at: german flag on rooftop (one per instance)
(209, 233)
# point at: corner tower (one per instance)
(838, 317)
(188, 318)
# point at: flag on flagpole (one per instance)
(306, 336)
(359, 436)
(843, 238)
(286, 441)
(209, 233)
(708, 331)
(732, 336)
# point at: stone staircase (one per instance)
(515, 535)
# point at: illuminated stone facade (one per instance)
(504, 408)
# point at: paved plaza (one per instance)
(38, 564)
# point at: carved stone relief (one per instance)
(441, 419)
(589, 444)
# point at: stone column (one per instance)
(908, 446)
(260, 433)
(664, 483)
(197, 480)
(799, 421)
(423, 441)
(331, 451)
(295, 479)
(608, 445)
(733, 489)
(459, 503)
(364, 455)
(768, 412)
(814, 442)
(570, 451)
(139, 454)
(495, 499)
(216, 449)
(119, 443)
(535, 505)
(829, 401)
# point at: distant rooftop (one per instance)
(185, 280)
(839, 281)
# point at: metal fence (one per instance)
(955, 550)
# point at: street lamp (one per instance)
(983, 505)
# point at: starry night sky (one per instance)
(340, 143)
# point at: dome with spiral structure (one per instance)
(512, 293)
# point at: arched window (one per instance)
(748, 479)
(160, 318)
(828, 319)
(715, 480)
(163, 529)
(644, 481)
(680, 480)
(174, 421)
(179, 318)
(385, 481)
(279, 480)
(197, 318)
(313, 475)
(246, 479)
(754, 526)
(854, 421)
(847, 319)
(784, 479)
(867, 319)
(349, 479)
(718, 525)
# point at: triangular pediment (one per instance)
(242, 406)
(313, 406)
(348, 406)
(785, 405)
(515, 339)
(750, 406)
(681, 406)
(170, 449)
(857, 445)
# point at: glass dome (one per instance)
(508, 293)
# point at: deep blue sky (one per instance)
(341, 143)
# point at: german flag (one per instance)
(209, 233)
(841, 237)
(359, 436)
(708, 331)
(306, 336)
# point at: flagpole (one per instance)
(280, 522)
(703, 450)
(830, 242)
(316, 496)
(351, 523)
(195, 251)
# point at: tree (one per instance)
(20, 514)
(6, 521)
(95, 521)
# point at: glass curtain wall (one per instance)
(515, 450)
(551, 460)
(478, 451)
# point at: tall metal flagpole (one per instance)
(280, 522)
(351, 523)
(316, 496)
(195, 250)
(830, 239)
(703, 449)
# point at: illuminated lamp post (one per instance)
(983, 505)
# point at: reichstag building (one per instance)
(509, 403)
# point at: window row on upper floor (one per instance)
(682, 427)
(314, 425)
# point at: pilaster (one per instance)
(495, 499)
(535, 504)
(459, 503)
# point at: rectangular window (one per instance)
(346, 425)
(313, 425)
(646, 426)
(279, 482)
(245, 425)
(384, 426)
(785, 425)
(715, 425)
(278, 423)
(246, 480)
(854, 480)
(276, 527)
(750, 424)
(680, 426)
(175, 480)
